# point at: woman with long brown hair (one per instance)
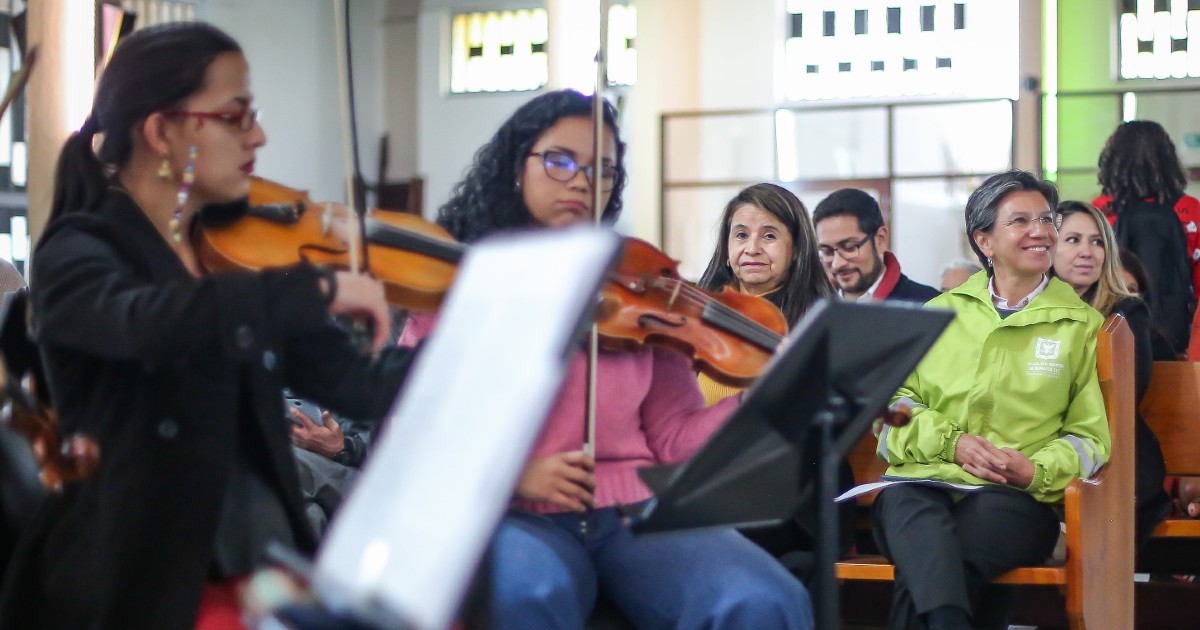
(766, 247)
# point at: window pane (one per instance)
(900, 49)
(1177, 114)
(498, 51)
(932, 139)
(622, 36)
(690, 225)
(927, 225)
(720, 148)
(832, 144)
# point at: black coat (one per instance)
(1152, 502)
(909, 290)
(158, 367)
(1151, 230)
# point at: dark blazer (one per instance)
(909, 290)
(158, 367)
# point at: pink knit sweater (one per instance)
(649, 411)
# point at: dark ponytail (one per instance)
(154, 69)
(78, 179)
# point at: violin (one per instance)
(59, 461)
(414, 259)
(731, 336)
(28, 411)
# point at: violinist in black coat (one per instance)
(175, 372)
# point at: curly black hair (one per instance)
(1139, 162)
(487, 199)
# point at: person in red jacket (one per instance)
(1142, 184)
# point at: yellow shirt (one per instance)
(715, 392)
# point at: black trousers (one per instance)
(946, 552)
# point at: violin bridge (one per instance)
(674, 294)
(327, 219)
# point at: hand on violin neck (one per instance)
(360, 297)
(563, 479)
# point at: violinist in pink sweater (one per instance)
(564, 541)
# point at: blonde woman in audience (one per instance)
(1084, 259)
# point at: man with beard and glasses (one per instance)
(852, 242)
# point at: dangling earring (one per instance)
(164, 169)
(989, 261)
(189, 175)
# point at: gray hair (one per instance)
(961, 263)
(980, 214)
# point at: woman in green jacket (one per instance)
(1006, 401)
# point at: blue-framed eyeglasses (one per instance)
(561, 166)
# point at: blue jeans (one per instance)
(548, 569)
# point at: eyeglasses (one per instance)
(242, 119)
(562, 167)
(1024, 224)
(848, 251)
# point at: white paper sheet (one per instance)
(408, 538)
(889, 481)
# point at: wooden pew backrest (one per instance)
(1171, 408)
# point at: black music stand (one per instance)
(837, 371)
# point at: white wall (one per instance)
(290, 45)
(451, 127)
(668, 45)
(399, 82)
(737, 52)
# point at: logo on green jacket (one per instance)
(1046, 349)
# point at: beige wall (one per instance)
(49, 94)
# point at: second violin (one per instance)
(729, 335)
(416, 260)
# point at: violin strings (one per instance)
(733, 319)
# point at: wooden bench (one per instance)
(1171, 408)
(1097, 578)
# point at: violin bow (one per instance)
(19, 79)
(351, 165)
(589, 442)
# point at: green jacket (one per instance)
(1027, 382)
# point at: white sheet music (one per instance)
(888, 481)
(409, 536)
